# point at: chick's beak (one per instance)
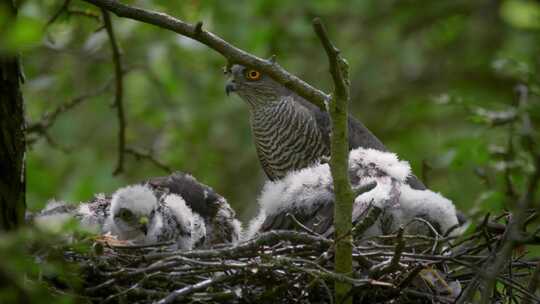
(144, 224)
(230, 87)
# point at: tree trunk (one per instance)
(12, 141)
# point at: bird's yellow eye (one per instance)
(253, 75)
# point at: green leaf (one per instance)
(22, 34)
(521, 14)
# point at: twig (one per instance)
(534, 283)
(119, 92)
(372, 216)
(426, 169)
(410, 276)
(513, 234)
(508, 158)
(434, 298)
(300, 225)
(378, 271)
(434, 231)
(131, 247)
(59, 12)
(93, 289)
(85, 13)
(324, 273)
(512, 284)
(40, 129)
(48, 119)
(267, 238)
(364, 188)
(180, 293)
(139, 154)
(128, 290)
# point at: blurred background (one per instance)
(430, 78)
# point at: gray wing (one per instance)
(56, 207)
(199, 197)
(212, 207)
(224, 227)
(97, 211)
(172, 229)
(90, 214)
(359, 136)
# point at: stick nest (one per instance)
(297, 267)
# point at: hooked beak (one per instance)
(230, 87)
(144, 224)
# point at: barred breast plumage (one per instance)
(287, 137)
(289, 132)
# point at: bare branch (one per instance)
(338, 65)
(514, 234)
(119, 92)
(40, 129)
(139, 154)
(230, 52)
(410, 276)
(339, 147)
(367, 221)
(63, 8)
(178, 294)
(426, 169)
(534, 283)
(300, 225)
(48, 119)
(393, 265)
(84, 13)
(267, 238)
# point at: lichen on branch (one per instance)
(339, 145)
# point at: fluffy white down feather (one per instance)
(53, 222)
(187, 218)
(385, 161)
(420, 204)
(140, 200)
(137, 198)
(425, 205)
(302, 188)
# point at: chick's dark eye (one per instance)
(126, 214)
(253, 75)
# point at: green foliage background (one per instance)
(418, 71)
(435, 80)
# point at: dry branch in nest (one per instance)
(297, 267)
